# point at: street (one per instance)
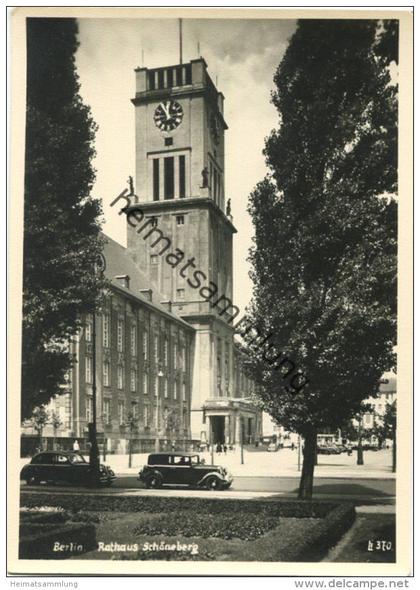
(337, 477)
(367, 491)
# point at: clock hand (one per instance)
(166, 109)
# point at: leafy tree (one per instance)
(132, 424)
(39, 419)
(172, 422)
(62, 233)
(325, 245)
(56, 423)
(389, 429)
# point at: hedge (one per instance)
(245, 526)
(314, 544)
(43, 517)
(158, 504)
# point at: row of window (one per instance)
(106, 379)
(148, 414)
(169, 77)
(154, 220)
(161, 353)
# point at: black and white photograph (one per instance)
(212, 351)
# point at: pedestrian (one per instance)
(218, 448)
(293, 446)
(76, 446)
(225, 449)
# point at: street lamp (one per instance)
(160, 375)
(242, 439)
(94, 450)
(131, 424)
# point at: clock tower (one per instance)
(180, 172)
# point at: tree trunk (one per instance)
(307, 474)
(394, 452)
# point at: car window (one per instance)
(158, 460)
(60, 459)
(181, 460)
(195, 460)
(76, 459)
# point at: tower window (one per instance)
(180, 220)
(160, 79)
(181, 176)
(120, 377)
(156, 179)
(188, 74)
(106, 371)
(170, 78)
(179, 76)
(168, 169)
(169, 141)
(151, 80)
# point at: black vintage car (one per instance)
(183, 469)
(63, 466)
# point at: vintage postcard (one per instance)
(210, 295)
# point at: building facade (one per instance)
(167, 366)
(180, 231)
(374, 418)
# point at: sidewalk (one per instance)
(283, 463)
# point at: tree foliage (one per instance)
(61, 229)
(325, 221)
(39, 419)
(389, 421)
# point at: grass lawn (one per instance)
(145, 537)
(371, 539)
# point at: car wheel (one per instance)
(213, 483)
(154, 481)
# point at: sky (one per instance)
(242, 56)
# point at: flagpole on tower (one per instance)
(180, 40)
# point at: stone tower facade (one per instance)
(184, 245)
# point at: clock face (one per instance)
(168, 115)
